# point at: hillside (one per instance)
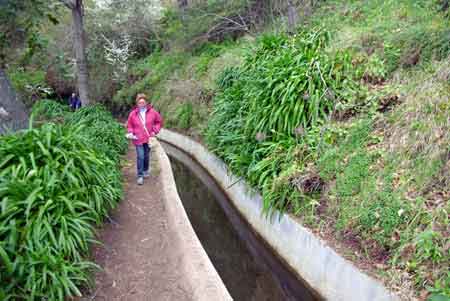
(344, 123)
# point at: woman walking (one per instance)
(143, 123)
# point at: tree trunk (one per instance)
(445, 4)
(292, 16)
(80, 53)
(182, 5)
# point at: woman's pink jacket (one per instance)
(153, 122)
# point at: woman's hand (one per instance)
(131, 136)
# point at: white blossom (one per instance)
(117, 54)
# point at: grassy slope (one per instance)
(389, 189)
(387, 193)
(181, 84)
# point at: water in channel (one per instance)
(247, 266)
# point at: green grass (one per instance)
(150, 72)
(207, 53)
(390, 29)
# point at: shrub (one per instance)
(53, 187)
(227, 78)
(56, 183)
(30, 84)
(184, 115)
(50, 109)
(100, 130)
(285, 86)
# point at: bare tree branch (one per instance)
(244, 25)
(69, 3)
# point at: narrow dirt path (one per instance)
(139, 260)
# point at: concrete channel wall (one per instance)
(329, 274)
(204, 280)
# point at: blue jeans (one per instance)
(143, 159)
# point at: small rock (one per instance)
(380, 266)
(3, 112)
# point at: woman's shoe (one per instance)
(140, 181)
(146, 174)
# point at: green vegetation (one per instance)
(30, 84)
(400, 33)
(343, 123)
(204, 21)
(151, 70)
(284, 85)
(101, 131)
(357, 147)
(179, 79)
(185, 115)
(56, 183)
(49, 109)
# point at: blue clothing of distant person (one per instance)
(75, 102)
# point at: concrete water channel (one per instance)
(249, 268)
(280, 245)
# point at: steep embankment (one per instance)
(346, 124)
(182, 84)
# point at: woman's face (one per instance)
(141, 103)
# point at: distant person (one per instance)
(143, 123)
(74, 102)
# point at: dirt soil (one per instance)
(139, 256)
